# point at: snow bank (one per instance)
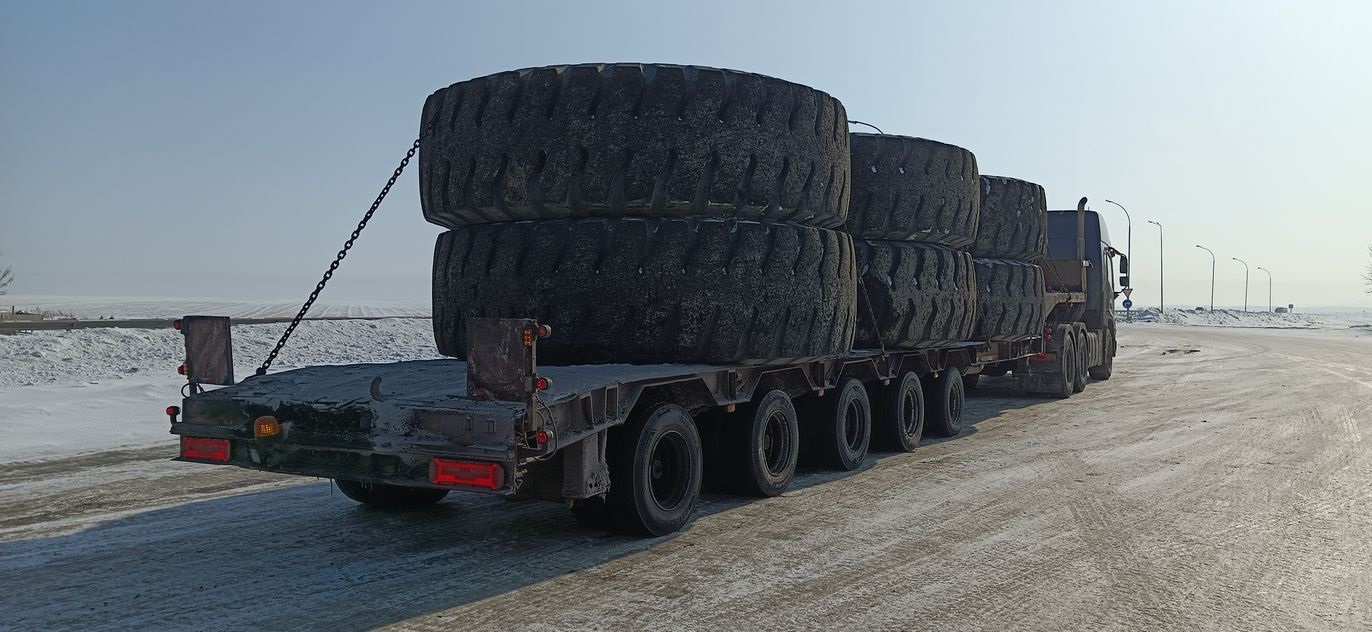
(1239, 318)
(86, 390)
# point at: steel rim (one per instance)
(852, 425)
(669, 468)
(775, 448)
(954, 407)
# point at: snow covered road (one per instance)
(1221, 481)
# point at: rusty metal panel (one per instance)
(500, 365)
(209, 349)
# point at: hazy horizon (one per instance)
(163, 149)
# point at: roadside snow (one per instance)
(92, 307)
(1239, 318)
(86, 390)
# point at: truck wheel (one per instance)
(394, 496)
(914, 295)
(1067, 369)
(899, 422)
(838, 428)
(1107, 365)
(615, 140)
(946, 399)
(913, 189)
(1083, 352)
(1013, 223)
(655, 471)
(650, 291)
(1009, 300)
(766, 446)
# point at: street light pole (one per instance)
(1162, 304)
(1128, 241)
(1269, 287)
(1212, 275)
(1245, 282)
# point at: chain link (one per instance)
(347, 245)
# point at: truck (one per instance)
(626, 447)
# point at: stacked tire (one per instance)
(1011, 240)
(649, 213)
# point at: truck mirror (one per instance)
(1124, 280)
(1124, 265)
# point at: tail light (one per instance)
(203, 449)
(266, 426)
(466, 474)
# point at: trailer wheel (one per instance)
(1083, 353)
(1107, 365)
(393, 496)
(1067, 369)
(946, 397)
(655, 471)
(839, 427)
(766, 446)
(899, 424)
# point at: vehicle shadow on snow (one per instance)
(306, 557)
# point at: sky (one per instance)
(227, 149)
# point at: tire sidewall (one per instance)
(849, 458)
(953, 392)
(905, 440)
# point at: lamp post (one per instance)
(1128, 241)
(1212, 275)
(1245, 282)
(1269, 287)
(1162, 304)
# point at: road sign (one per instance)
(1128, 304)
(1128, 291)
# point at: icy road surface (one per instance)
(1221, 481)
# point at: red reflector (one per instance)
(542, 383)
(466, 473)
(176, 324)
(181, 370)
(542, 437)
(173, 411)
(205, 449)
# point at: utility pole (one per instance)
(1212, 275)
(1128, 242)
(1162, 304)
(1269, 287)
(1245, 282)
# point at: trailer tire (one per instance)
(838, 429)
(1107, 365)
(766, 446)
(646, 291)
(655, 471)
(392, 496)
(913, 189)
(615, 140)
(899, 423)
(913, 295)
(1009, 300)
(1013, 222)
(1064, 384)
(1083, 353)
(946, 399)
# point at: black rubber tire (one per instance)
(1014, 220)
(898, 423)
(1065, 382)
(652, 290)
(945, 400)
(913, 189)
(596, 140)
(913, 295)
(765, 445)
(838, 427)
(393, 496)
(1009, 300)
(655, 493)
(969, 382)
(1107, 365)
(1083, 353)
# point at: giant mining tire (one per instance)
(1009, 300)
(1014, 220)
(913, 295)
(913, 189)
(596, 140)
(647, 290)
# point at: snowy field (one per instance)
(88, 390)
(1265, 320)
(89, 307)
